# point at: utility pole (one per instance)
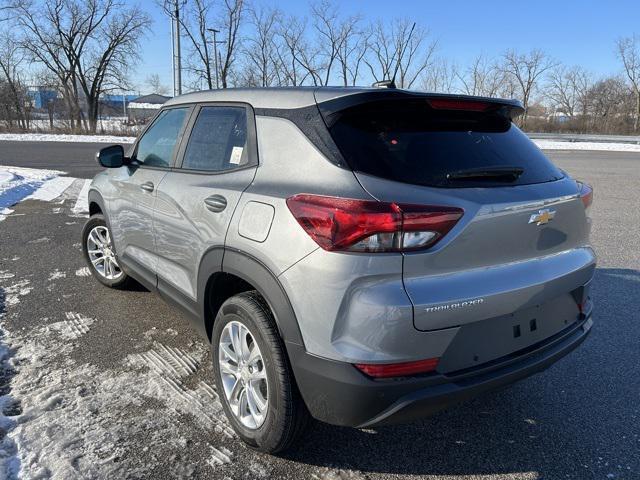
(175, 34)
(215, 52)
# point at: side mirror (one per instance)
(111, 157)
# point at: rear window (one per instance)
(408, 141)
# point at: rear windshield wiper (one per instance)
(498, 174)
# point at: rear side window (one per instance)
(408, 141)
(155, 148)
(218, 140)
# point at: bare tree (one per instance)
(481, 77)
(87, 45)
(628, 50)
(353, 48)
(566, 88)
(291, 32)
(261, 50)
(440, 77)
(233, 13)
(399, 48)
(14, 95)
(155, 84)
(331, 35)
(195, 22)
(525, 70)
(608, 100)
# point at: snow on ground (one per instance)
(16, 184)
(52, 189)
(70, 418)
(145, 106)
(55, 137)
(594, 146)
(81, 207)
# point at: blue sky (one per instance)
(571, 31)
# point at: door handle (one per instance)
(216, 203)
(147, 186)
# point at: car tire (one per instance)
(95, 223)
(286, 414)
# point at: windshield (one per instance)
(408, 141)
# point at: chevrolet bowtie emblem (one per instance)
(543, 216)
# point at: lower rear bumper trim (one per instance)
(338, 394)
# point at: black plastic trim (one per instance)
(331, 109)
(337, 393)
(257, 274)
(310, 122)
(189, 306)
(210, 264)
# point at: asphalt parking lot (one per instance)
(115, 384)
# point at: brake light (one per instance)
(455, 104)
(388, 370)
(368, 226)
(586, 194)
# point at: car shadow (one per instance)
(578, 419)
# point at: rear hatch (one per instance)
(518, 258)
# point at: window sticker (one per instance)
(236, 155)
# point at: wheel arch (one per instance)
(221, 264)
(96, 203)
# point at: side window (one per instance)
(218, 140)
(155, 148)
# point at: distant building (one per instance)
(143, 108)
(114, 105)
(116, 101)
(41, 97)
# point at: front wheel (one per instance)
(100, 253)
(255, 383)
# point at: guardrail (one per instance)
(576, 137)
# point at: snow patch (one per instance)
(145, 106)
(594, 146)
(79, 420)
(331, 474)
(73, 327)
(82, 203)
(83, 272)
(6, 177)
(52, 189)
(16, 184)
(55, 137)
(4, 213)
(15, 291)
(56, 274)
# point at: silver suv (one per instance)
(359, 256)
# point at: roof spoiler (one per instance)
(331, 109)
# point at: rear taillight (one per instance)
(455, 104)
(388, 370)
(368, 226)
(586, 194)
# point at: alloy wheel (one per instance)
(102, 254)
(244, 377)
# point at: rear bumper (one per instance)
(337, 393)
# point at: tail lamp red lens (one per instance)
(388, 370)
(586, 194)
(456, 104)
(344, 224)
